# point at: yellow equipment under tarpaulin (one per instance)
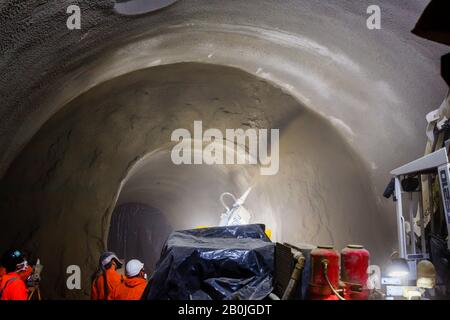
(268, 231)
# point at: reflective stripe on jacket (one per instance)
(12, 287)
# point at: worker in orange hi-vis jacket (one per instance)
(107, 278)
(12, 286)
(134, 284)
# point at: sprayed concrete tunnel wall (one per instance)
(87, 116)
(66, 180)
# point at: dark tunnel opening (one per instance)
(138, 231)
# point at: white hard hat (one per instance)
(107, 257)
(133, 268)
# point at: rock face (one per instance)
(87, 117)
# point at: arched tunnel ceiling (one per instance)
(367, 89)
(321, 51)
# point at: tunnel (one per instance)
(87, 118)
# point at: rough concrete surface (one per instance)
(77, 114)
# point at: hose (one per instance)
(295, 276)
(325, 273)
(223, 201)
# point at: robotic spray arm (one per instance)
(237, 214)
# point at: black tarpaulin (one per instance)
(220, 263)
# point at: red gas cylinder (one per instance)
(318, 286)
(354, 265)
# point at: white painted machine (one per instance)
(433, 163)
(421, 188)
